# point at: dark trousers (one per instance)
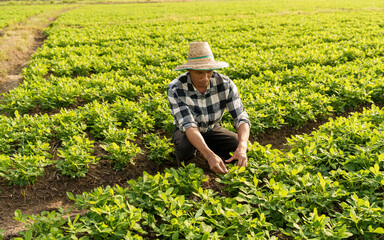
(220, 140)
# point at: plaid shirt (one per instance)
(190, 108)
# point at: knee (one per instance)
(184, 153)
(184, 150)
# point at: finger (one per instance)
(223, 168)
(218, 170)
(230, 159)
(243, 164)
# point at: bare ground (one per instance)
(49, 192)
(17, 43)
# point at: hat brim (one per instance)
(204, 67)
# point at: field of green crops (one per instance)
(100, 79)
(14, 14)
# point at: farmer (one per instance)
(198, 99)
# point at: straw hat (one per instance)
(200, 57)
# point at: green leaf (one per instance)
(205, 228)
(343, 232)
(18, 215)
(175, 236)
(255, 180)
(272, 182)
(283, 193)
(332, 151)
(70, 196)
(28, 235)
(169, 191)
(375, 169)
(352, 214)
(205, 236)
(198, 214)
(379, 230)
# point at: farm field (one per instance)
(15, 14)
(87, 135)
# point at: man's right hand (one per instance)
(216, 164)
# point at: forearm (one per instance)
(197, 140)
(243, 136)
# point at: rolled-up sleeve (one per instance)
(183, 118)
(236, 108)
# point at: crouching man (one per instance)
(198, 99)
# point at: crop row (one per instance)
(329, 186)
(106, 68)
(67, 139)
(289, 69)
(14, 14)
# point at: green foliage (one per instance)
(115, 134)
(120, 146)
(99, 118)
(76, 155)
(122, 154)
(25, 134)
(160, 149)
(14, 14)
(24, 146)
(315, 190)
(278, 193)
(304, 62)
(116, 212)
(132, 115)
(22, 169)
(47, 225)
(295, 71)
(298, 193)
(157, 105)
(68, 123)
(112, 218)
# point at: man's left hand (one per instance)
(241, 156)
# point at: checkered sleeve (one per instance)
(183, 117)
(235, 107)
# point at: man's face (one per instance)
(200, 78)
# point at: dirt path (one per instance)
(17, 43)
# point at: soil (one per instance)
(15, 65)
(49, 191)
(17, 56)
